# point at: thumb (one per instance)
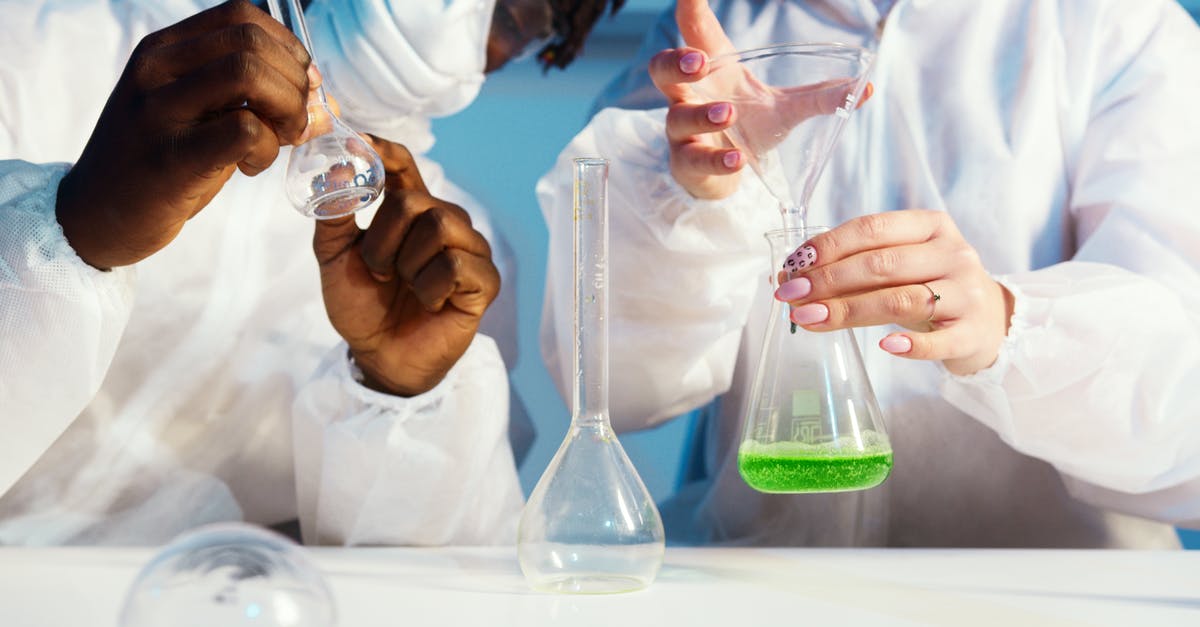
(700, 27)
(333, 238)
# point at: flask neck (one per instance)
(598, 422)
(591, 290)
(783, 244)
(291, 14)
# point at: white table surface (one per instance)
(727, 587)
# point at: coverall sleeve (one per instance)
(60, 319)
(1100, 372)
(428, 470)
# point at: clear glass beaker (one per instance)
(335, 172)
(812, 423)
(590, 525)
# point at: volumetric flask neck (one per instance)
(812, 423)
(590, 386)
(590, 526)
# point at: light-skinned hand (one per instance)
(912, 268)
(702, 160)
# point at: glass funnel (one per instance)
(790, 103)
(590, 525)
(812, 421)
(335, 172)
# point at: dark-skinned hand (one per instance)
(406, 294)
(219, 91)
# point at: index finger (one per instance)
(700, 27)
(870, 232)
(671, 71)
(399, 165)
(227, 14)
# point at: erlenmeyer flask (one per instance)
(335, 172)
(812, 421)
(590, 525)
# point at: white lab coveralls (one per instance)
(143, 401)
(1062, 137)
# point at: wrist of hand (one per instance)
(999, 329)
(370, 377)
(94, 231)
(80, 230)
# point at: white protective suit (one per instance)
(1062, 137)
(143, 401)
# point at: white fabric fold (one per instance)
(394, 65)
(432, 469)
(60, 319)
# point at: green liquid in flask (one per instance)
(798, 467)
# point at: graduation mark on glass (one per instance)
(335, 172)
(812, 421)
(590, 525)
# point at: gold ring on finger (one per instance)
(934, 297)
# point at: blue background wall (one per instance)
(527, 117)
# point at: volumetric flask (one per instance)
(590, 525)
(229, 574)
(812, 421)
(335, 172)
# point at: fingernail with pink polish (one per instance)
(804, 257)
(718, 113)
(793, 290)
(732, 159)
(896, 344)
(691, 62)
(810, 314)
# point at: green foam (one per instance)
(795, 467)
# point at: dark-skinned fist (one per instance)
(407, 293)
(217, 92)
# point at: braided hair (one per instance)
(573, 21)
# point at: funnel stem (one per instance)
(792, 216)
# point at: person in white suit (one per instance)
(167, 356)
(1033, 162)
